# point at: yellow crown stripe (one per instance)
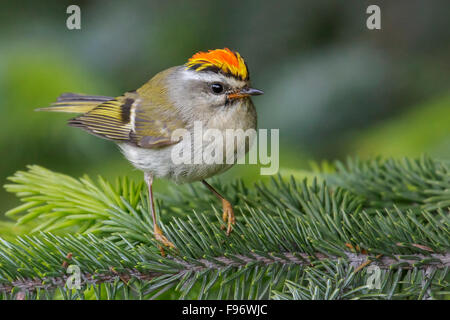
(227, 61)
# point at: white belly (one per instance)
(160, 164)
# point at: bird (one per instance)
(211, 89)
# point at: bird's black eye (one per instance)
(217, 88)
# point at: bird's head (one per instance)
(213, 79)
(224, 73)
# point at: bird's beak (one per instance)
(245, 92)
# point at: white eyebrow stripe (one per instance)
(209, 76)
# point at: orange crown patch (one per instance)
(224, 60)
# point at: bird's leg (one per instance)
(228, 213)
(159, 236)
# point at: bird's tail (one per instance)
(75, 103)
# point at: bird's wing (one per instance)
(141, 119)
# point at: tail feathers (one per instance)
(75, 103)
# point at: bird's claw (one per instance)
(160, 237)
(228, 216)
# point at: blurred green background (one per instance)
(332, 87)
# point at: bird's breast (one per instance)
(234, 122)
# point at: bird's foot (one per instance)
(160, 237)
(228, 216)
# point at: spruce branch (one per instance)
(417, 184)
(57, 201)
(293, 240)
(437, 261)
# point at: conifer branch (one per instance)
(437, 261)
(293, 240)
